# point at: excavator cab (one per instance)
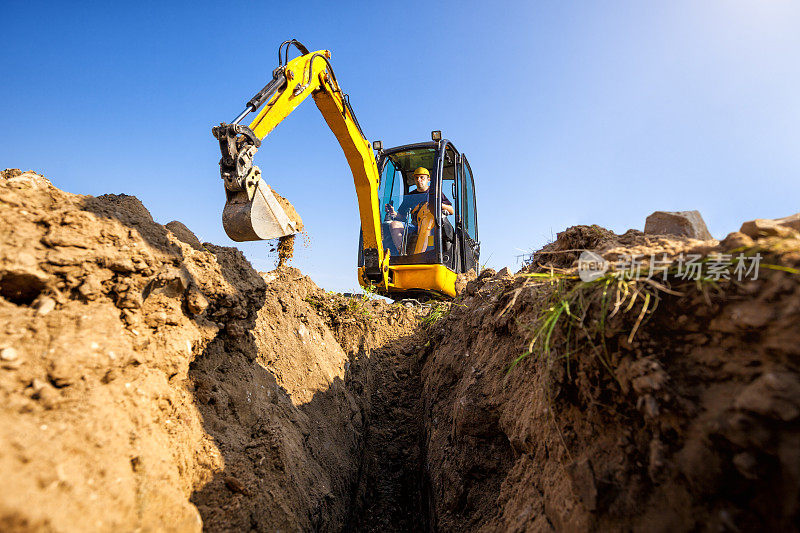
(427, 245)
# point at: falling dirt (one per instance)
(153, 382)
(285, 249)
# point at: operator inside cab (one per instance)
(409, 209)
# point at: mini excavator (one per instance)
(409, 247)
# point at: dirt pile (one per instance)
(619, 414)
(148, 384)
(149, 381)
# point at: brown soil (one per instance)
(285, 249)
(290, 211)
(694, 425)
(150, 384)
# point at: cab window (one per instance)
(469, 209)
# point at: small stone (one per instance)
(503, 273)
(463, 279)
(156, 319)
(736, 240)
(130, 300)
(174, 281)
(486, 273)
(774, 395)
(121, 264)
(46, 394)
(234, 485)
(37, 385)
(91, 288)
(772, 227)
(680, 223)
(746, 464)
(26, 259)
(196, 303)
(8, 354)
(649, 405)
(43, 305)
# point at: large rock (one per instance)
(768, 227)
(680, 223)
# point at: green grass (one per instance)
(579, 311)
(436, 313)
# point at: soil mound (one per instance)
(562, 253)
(147, 384)
(625, 403)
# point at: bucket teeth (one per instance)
(255, 214)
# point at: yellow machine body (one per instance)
(311, 74)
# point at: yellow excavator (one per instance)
(416, 202)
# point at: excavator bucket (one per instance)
(259, 217)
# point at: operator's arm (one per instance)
(447, 207)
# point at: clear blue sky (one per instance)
(570, 112)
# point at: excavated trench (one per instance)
(150, 381)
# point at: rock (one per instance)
(184, 234)
(463, 279)
(45, 393)
(156, 319)
(43, 305)
(680, 223)
(174, 281)
(656, 459)
(735, 240)
(234, 485)
(753, 315)
(37, 385)
(777, 227)
(503, 273)
(8, 354)
(91, 287)
(130, 300)
(486, 273)
(122, 264)
(746, 464)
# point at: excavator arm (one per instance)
(251, 211)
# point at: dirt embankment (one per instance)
(681, 417)
(150, 381)
(151, 384)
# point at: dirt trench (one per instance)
(152, 382)
(149, 381)
(553, 404)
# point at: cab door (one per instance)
(471, 246)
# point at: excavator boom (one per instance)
(414, 253)
(251, 210)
